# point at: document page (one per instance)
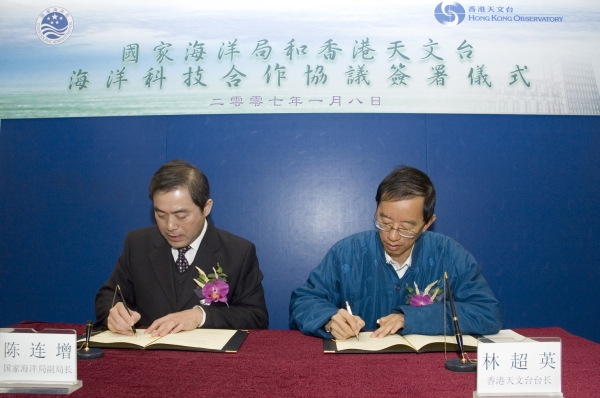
(419, 341)
(370, 344)
(108, 337)
(212, 339)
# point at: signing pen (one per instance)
(350, 312)
(127, 308)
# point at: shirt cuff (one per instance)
(203, 315)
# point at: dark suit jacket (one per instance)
(146, 278)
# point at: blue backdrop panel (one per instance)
(521, 193)
(71, 189)
(518, 192)
(295, 184)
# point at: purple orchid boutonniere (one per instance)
(213, 287)
(215, 291)
(416, 298)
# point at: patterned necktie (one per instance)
(182, 262)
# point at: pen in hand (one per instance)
(127, 308)
(350, 312)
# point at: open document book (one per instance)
(410, 343)
(217, 340)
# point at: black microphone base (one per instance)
(457, 365)
(90, 353)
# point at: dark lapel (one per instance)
(162, 259)
(205, 260)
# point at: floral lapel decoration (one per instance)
(213, 287)
(416, 298)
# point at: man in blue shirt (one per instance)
(392, 277)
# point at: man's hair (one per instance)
(181, 174)
(406, 183)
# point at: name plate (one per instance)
(47, 357)
(531, 367)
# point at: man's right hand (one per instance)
(119, 320)
(343, 325)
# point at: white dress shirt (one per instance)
(400, 269)
(190, 255)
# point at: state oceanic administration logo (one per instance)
(54, 25)
(449, 13)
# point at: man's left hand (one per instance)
(176, 322)
(389, 325)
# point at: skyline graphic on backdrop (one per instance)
(144, 58)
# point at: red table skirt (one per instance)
(288, 364)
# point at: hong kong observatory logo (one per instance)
(54, 25)
(449, 13)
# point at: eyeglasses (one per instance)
(405, 233)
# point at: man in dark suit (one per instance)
(157, 267)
